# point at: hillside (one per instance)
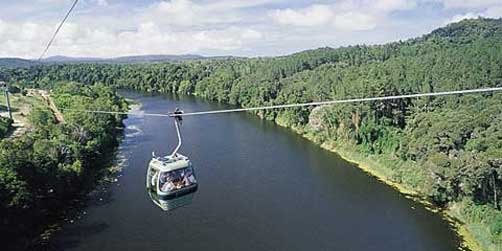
(447, 149)
(138, 59)
(124, 60)
(16, 62)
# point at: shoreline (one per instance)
(109, 175)
(467, 238)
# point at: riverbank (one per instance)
(67, 159)
(98, 192)
(471, 239)
(468, 239)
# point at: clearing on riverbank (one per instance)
(22, 104)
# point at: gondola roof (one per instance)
(167, 164)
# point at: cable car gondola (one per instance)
(171, 180)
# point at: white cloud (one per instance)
(3, 27)
(314, 15)
(178, 12)
(54, 1)
(355, 21)
(78, 40)
(493, 12)
(251, 34)
(392, 5)
(239, 4)
(470, 3)
(471, 9)
(109, 28)
(348, 15)
(19, 38)
(490, 12)
(461, 17)
(186, 13)
(102, 3)
(68, 2)
(175, 27)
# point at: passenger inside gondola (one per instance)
(177, 179)
(188, 178)
(166, 183)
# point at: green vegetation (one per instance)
(5, 126)
(21, 105)
(484, 222)
(42, 171)
(449, 149)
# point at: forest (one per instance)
(449, 149)
(43, 171)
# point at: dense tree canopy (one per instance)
(43, 170)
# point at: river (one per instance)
(261, 187)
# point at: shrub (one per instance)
(496, 225)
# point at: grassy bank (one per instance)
(378, 170)
(22, 103)
(470, 221)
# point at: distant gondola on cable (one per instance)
(171, 181)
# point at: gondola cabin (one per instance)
(171, 181)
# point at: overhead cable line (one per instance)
(119, 113)
(57, 30)
(355, 100)
(320, 103)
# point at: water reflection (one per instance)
(171, 203)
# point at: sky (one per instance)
(112, 28)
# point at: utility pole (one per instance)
(7, 100)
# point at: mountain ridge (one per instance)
(13, 62)
(125, 59)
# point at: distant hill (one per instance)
(64, 59)
(124, 60)
(156, 58)
(139, 59)
(16, 62)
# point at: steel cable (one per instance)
(319, 103)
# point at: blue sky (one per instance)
(110, 28)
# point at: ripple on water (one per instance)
(132, 131)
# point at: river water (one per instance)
(261, 187)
